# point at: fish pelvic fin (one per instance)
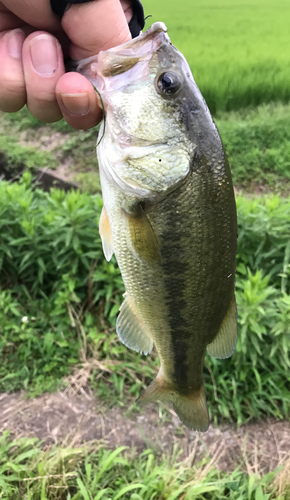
(131, 330)
(224, 344)
(106, 235)
(191, 408)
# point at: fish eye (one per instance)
(169, 83)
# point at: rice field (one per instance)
(239, 51)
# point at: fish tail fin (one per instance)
(191, 408)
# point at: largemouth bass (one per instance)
(169, 215)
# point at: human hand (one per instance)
(33, 44)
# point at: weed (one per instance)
(59, 301)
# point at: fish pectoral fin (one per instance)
(191, 408)
(106, 235)
(131, 330)
(142, 236)
(225, 342)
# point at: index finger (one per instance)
(94, 26)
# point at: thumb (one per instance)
(94, 26)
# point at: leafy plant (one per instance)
(263, 238)
(254, 381)
(60, 299)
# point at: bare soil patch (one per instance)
(72, 419)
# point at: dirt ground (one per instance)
(69, 419)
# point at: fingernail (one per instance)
(15, 42)
(43, 52)
(77, 104)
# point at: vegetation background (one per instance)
(59, 298)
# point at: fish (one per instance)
(169, 216)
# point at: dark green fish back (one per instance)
(196, 228)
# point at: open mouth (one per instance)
(122, 58)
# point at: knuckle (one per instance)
(44, 110)
(12, 88)
(12, 95)
(44, 99)
(11, 107)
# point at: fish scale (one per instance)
(186, 276)
(169, 216)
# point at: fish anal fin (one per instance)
(142, 236)
(225, 342)
(106, 235)
(131, 330)
(191, 408)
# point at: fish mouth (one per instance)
(156, 34)
(122, 58)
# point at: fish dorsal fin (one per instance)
(225, 342)
(142, 236)
(131, 330)
(106, 235)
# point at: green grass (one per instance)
(238, 50)
(17, 157)
(23, 121)
(53, 145)
(257, 142)
(93, 473)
